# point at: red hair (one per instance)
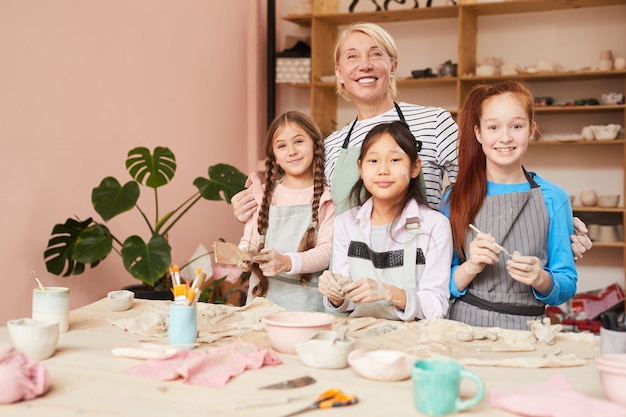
(469, 190)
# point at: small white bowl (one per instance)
(382, 365)
(34, 337)
(323, 351)
(120, 300)
(287, 328)
(605, 132)
(485, 70)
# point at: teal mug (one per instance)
(436, 387)
(182, 329)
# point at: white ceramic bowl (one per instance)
(382, 365)
(120, 300)
(34, 337)
(605, 132)
(613, 375)
(323, 351)
(287, 328)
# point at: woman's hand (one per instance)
(272, 263)
(580, 241)
(244, 205)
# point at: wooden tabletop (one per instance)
(87, 380)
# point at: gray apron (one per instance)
(493, 298)
(286, 227)
(405, 273)
(346, 172)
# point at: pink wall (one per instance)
(84, 81)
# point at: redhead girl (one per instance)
(292, 228)
(497, 207)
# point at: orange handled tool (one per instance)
(334, 397)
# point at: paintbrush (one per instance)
(474, 228)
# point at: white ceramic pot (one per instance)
(587, 133)
(36, 338)
(611, 200)
(606, 132)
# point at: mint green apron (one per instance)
(285, 229)
(346, 172)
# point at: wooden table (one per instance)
(87, 380)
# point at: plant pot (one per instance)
(149, 293)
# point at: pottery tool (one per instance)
(334, 397)
(474, 228)
(230, 254)
(41, 287)
(292, 383)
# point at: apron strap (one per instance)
(471, 299)
(346, 141)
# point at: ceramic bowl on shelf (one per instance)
(612, 98)
(608, 201)
(605, 132)
(287, 328)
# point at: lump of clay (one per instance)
(544, 331)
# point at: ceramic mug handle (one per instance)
(480, 391)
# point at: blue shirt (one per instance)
(561, 265)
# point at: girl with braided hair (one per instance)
(292, 228)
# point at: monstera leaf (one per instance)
(65, 243)
(146, 262)
(110, 199)
(222, 178)
(153, 170)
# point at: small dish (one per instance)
(382, 365)
(327, 350)
(120, 300)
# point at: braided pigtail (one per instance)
(309, 239)
(272, 173)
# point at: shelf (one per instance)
(295, 85)
(427, 81)
(581, 109)
(300, 19)
(543, 142)
(551, 76)
(594, 209)
(388, 16)
(527, 6)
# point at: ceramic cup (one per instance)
(182, 329)
(36, 338)
(605, 64)
(619, 63)
(612, 341)
(53, 303)
(436, 387)
(607, 233)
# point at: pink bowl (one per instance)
(613, 374)
(288, 328)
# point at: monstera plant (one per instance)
(77, 242)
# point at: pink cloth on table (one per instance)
(553, 398)
(21, 377)
(211, 367)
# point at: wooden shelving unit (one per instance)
(324, 23)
